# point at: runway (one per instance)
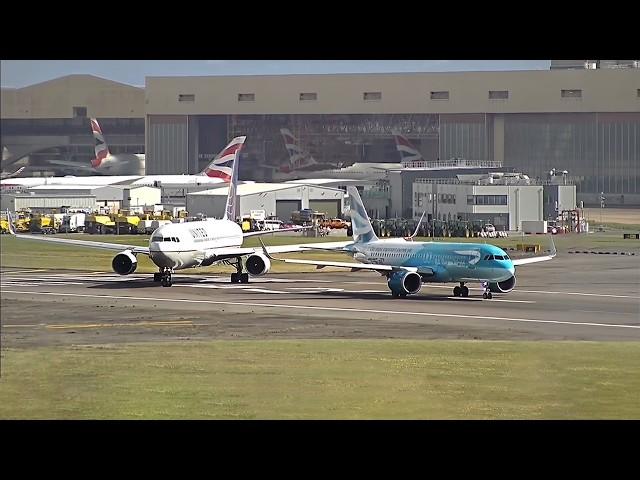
(569, 298)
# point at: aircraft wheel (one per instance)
(484, 295)
(235, 278)
(244, 278)
(457, 291)
(489, 296)
(465, 291)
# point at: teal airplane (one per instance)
(408, 264)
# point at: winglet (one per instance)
(553, 246)
(417, 228)
(12, 228)
(264, 250)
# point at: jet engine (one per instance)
(257, 264)
(404, 283)
(124, 263)
(504, 286)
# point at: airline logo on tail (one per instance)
(222, 165)
(408, 153)
(362, 229)
(102, 151)
(229, 158)
(298, 158)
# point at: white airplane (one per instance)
(300, 160)
(105, 162)
(178, 246)
(211, 175)
(408, 264)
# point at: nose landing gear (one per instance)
(164, 277)
(487, 292)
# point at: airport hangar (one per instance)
(585, 121)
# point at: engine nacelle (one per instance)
(504, 286)
(405, 283)
(257, 264)
(124, 263)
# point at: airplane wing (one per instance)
(354, 266)
(526, 261)
(267, 232)
(80, 243)
(231, 252)
(542, 258)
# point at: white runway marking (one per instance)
(539, 291)
(331, 309)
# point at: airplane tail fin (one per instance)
(228, 160)
(408, 153)
(102, 150)
(222, 164)
(298, 157)
(14, 174)
(360, 223)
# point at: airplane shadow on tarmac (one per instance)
(226, 287)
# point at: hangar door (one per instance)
(285, 207)
(330, 207)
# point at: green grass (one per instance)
(332, 379)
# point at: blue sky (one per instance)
(19, 73)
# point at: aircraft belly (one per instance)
(177, 260)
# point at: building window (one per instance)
(372, 96)
(246, 97)
(308, 97)
(439, 95)
(571, 93)
(79, 111)
(188, 97)
(486, 199)
(639, 93)
(498, 94)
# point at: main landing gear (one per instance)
(163, 276)
(461, 291)
(239, 277)
(487, 291)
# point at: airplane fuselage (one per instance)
(450, 262)
(192, 244)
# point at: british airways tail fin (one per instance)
(408, 153)
(222, 165)
(102, 150)
(360, 224)
(228, 159)
(298, 157)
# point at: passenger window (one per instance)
(167, 239)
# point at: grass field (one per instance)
(324, 379)
(31, 254)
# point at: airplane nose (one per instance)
(511, 268)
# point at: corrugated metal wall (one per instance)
(167, 149)
(463, 136)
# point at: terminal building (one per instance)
(577, 118)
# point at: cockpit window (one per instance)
(156, 239)
(498, 257)
(506, 257)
